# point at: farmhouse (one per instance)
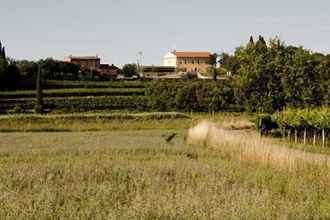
(93, 63)
(85, 62)
(188, 61)
(158, 72)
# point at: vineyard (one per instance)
(78, 96)
(307, 126)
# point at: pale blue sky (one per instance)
(117, 29)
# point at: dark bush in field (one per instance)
(265, 124)
(199, 96)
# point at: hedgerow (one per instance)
(197, 96)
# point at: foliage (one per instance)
(229, 63)
(132, 103)
(9, 75)
(75, 92)
(39, 94)
(2, 51)
(199, 96)
(317, 119)
(129, 70)
(270, 77)
(264, 123)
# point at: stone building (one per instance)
(93, 64)
(85, 62)
(188, 61)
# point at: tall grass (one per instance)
(251, 147)
(138, 175)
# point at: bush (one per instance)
(198, 96)
(265, 124)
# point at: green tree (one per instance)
(2, 51)
(258, 84)
(39, 96)
(228, 63)
(214, 58)
(300, 79)
(129, 70)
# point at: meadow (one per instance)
(122, 167)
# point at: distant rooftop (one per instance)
(83, 57)
(186, 54)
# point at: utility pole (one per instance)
(139, 63)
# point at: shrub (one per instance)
(199, 96)
(265, 123)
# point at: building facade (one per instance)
(93, 64)
(189, 61)
(85, 62)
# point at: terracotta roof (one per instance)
(193, 54)
(84, 57)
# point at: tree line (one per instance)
(272, 76)
(266, 77)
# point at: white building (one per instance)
(189, 61)
(170, 59)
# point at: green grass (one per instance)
(136, 174)
(93, 121)
(87, 121)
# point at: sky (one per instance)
(116, 30)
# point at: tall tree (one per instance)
(251, 41)
(39, 95)
(258, 84)
(2, 51)
(214, 58)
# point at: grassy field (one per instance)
(127, 170)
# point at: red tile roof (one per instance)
(84, 57)
(193, 54)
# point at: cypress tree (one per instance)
(39, 97)
(251, 40)
(3, 52)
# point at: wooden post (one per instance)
(323, 137)
(295, 135)
(314, 138)
(305, 136)
(289, 134)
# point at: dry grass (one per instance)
(136, 174)
(250, 146)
